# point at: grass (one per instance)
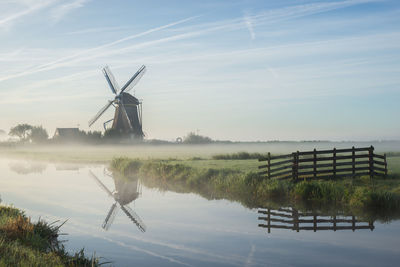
(239, 156)
(380, 197)
(23, 243)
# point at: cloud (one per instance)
(261, 18)
(249, 24)
(32, 7)
(99, 29)
(74, 58)
(60, 11)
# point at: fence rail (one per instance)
(294, 220)
(333, 163)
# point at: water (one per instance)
(180, 229)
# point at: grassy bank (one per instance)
(23, 243)
(380, 197)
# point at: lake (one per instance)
(125, 222)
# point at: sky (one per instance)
(250, 70)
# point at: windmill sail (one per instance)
(134, 217)
(134, 80)
(111, 80)
(101, 184)
(110, 217)
(97, 116)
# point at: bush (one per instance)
(238, 156)
(193, 138)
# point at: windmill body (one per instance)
(128, 109)
(131, 123)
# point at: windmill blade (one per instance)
(134, 80)
(97, 116)
(101, 184)
(134, 217)
(110, 217)
(125, 114)
(111, 80)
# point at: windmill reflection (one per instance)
(125, 192)
(292, 219)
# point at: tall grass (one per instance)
(238, 156)
(23, 243)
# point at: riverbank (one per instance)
(379, 197)
(24, 243)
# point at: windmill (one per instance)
(128, 109)
(125, 192)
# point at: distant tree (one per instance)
(95, 135)
(21, 130)
(113, 134)
(193, 138)
(38, 135)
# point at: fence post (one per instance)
(334, 163)
(295, 217)
(353, 158)
(371, 162)
(315, 223)
(297, 165)
(294, 166)
(269, 221)
(334, 223)
(269, 167)
(384, 160)
(315, 163)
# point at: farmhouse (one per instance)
(66, 133)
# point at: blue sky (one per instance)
(239, 70)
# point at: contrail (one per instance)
(53, 64)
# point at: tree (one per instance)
(38, 134)
(193, 138)
(21, 130)
(113, 134)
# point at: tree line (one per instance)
(27, 133)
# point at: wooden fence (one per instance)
(325, 164)
(292, 219)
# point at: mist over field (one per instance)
(104, 152)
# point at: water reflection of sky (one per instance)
(182, 229)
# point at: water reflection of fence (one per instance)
(292, 219)
(333, 163)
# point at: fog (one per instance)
(104, 153)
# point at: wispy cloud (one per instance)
(249, 24)
(97, 30)
(61, 10)
(32, 8)
(74, 58)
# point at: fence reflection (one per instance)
(292, 219)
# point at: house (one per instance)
(66, 133)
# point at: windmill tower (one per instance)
(128, 109)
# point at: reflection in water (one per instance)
(125, 192)
(292, 219)
(27, 167)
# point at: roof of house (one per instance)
(66, 132)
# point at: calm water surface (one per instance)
(131, 225)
